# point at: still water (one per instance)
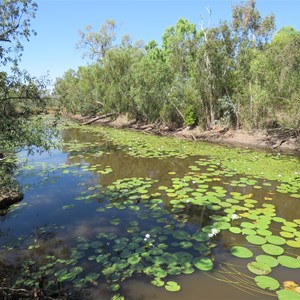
(104, 217)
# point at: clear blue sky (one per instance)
(58, 21)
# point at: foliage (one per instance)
(15, 19)
(21, 96)
(233, 74)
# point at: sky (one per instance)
(57, 22)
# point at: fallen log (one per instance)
(98, 118)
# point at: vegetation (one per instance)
(21, 95)
(234, 74)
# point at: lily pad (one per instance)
(240, 251)
(267, 282)
(289, 262)
(203, 263)
(157, 282)
(259, 268)
(235, 230)
(272, 249)
(268, 260)
(276, 240)
(287, 295)
(255, 239)
(172, 286)
(180, 235)
(293, 244)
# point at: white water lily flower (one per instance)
(145, 239)
(214, 231)
(235, 217)
(147, 236)
(210, 235)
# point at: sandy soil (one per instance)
(276, 140)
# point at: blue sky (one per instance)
(58, 21)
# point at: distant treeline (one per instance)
(236, 74)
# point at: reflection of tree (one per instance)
(9, 189)
(27, 269)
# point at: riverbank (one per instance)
(278, 140)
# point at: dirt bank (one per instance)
(276, 139)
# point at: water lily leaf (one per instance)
(200, 236)
(255, 239)
(235, 230)
(174, 270)
(180, 235)
(157, 282)
(248, 225)
(203, 263)
(267, 282)
(268, 260)
(264, 232)
(288, 228)
(83, 246)
(92, 277)
(259, 268)
(159, 273)
(134, 259)
(289, 262)
(286, 234)
(240, 251)
(183, 257)
(121, 264)
(116, 221)
(276, 240)
(272, 249)
(114, 287)
(172, 286)
(279, 220)
(287, 295)
(248, 231)
(294, 244)
(156, 251)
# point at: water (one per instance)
(89, 208)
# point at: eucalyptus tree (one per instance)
(276, 71)
(251, 33)
(96, 44)
(118, 77)
(179, 46)
(151, 79)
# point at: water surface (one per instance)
(115, 217)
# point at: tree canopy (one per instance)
(21, 95)
(232, 74)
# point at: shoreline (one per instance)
(274, 140)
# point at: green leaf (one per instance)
(272, 249)
(157, 282)
(240, 251)
(276, 240)
(267, 259)
(259, 268)
(289, 262)
(172, 286)
(255, 239)
(267, 282)
(203, 263)
(287, 295)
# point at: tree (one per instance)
(15, 19)
(251, 34)
(98, 43)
